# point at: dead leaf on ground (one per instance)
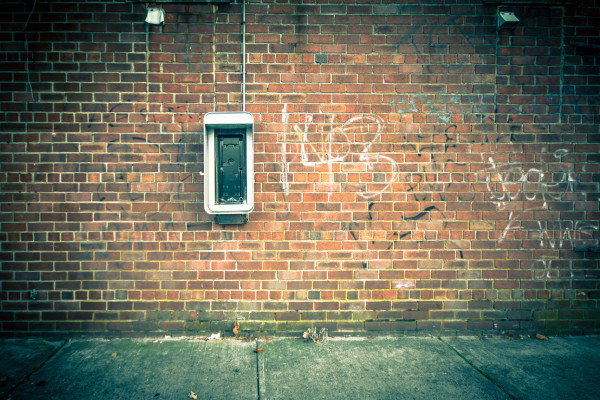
(192, 395)
(172, 372)
(114, 354)
(236, 328)
(259, 350)
(541, 337)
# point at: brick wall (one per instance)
(415, 168)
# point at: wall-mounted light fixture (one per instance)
(155, 15)
(507, 19)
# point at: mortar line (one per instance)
(483, 373)
(26, 378)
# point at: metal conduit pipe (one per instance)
(243, 55)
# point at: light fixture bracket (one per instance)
(506, 19)
(155, 15)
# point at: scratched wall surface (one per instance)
(415, 168)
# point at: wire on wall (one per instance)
(562, 65)
(28, 57)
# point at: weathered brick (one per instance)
(402, 171)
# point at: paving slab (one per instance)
(393, 368)
(558, 368)
(350, 368)
(146, 369)
(20, 357)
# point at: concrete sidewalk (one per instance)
(352, 368)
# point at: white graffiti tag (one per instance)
(321, 141)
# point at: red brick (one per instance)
(388, 178)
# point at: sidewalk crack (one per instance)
(483, 373)
(257, 370)
(26, 378)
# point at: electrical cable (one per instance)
(26, 47)
(25, 41)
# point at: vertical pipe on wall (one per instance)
(243, 55)
(214, 56)
(147, 71)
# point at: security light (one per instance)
(155, 15)
(507, 19)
